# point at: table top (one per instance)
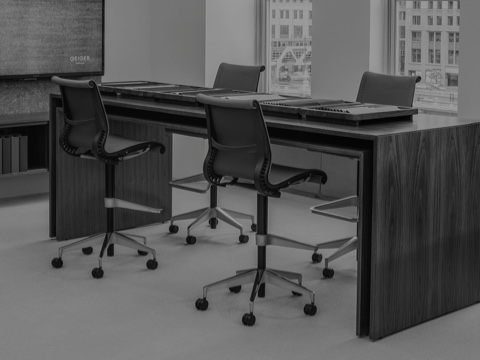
(419, 122)
(320, 110)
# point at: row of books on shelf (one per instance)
(13, 153)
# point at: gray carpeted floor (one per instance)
(136, 313)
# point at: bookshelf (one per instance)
(24, 160)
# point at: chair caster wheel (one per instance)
(87, 250)
(310, 309)
(152, 264)
(328, 273)
(97, 273)
(296, 293)
(213, 223)
(316, 258)
(142, 253)
(253, 227)
(173, 229)
(57, 263)
(201, 304)
(235, 289)
(191, 240)
(243, 239)
(248, 319)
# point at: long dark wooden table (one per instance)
(419, 181)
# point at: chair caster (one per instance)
(57, 263)
(173, 229)
(316, 258)
(97, 273)
(152, 264)
(201, 304)
(87, 250)
(253, 227)
(310, 309)
(191, 240)
(235, 289)
(213, 223)
(243, 239)
(248, 319)
(328, 273)
(142, 253)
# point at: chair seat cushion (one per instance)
(119, 147)
(282, 176)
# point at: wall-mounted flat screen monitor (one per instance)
(41, 38)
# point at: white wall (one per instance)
(128, 38)
(347, 40)
(178, 41)
(230, 34)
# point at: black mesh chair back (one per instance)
(84, 116)
(86, 129)
(238, 141)
(387, 89)
(239, 147)
(238, 77)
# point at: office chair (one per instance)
(86, 135)
(377, 89)
(239, 148)
(234, 77)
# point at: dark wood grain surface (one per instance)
(425, 246)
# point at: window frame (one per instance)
(394, 54)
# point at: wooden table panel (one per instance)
(425, 239)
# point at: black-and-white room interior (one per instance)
(239, 179)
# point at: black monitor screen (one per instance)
(51, 37)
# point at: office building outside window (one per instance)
(288, 47)
(426, 43)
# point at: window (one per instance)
(416, 55)
(297, 31)
(416, 4)
(453, 45)
(434, 36)
(401, 15)
(436, 56)
(288, 47)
